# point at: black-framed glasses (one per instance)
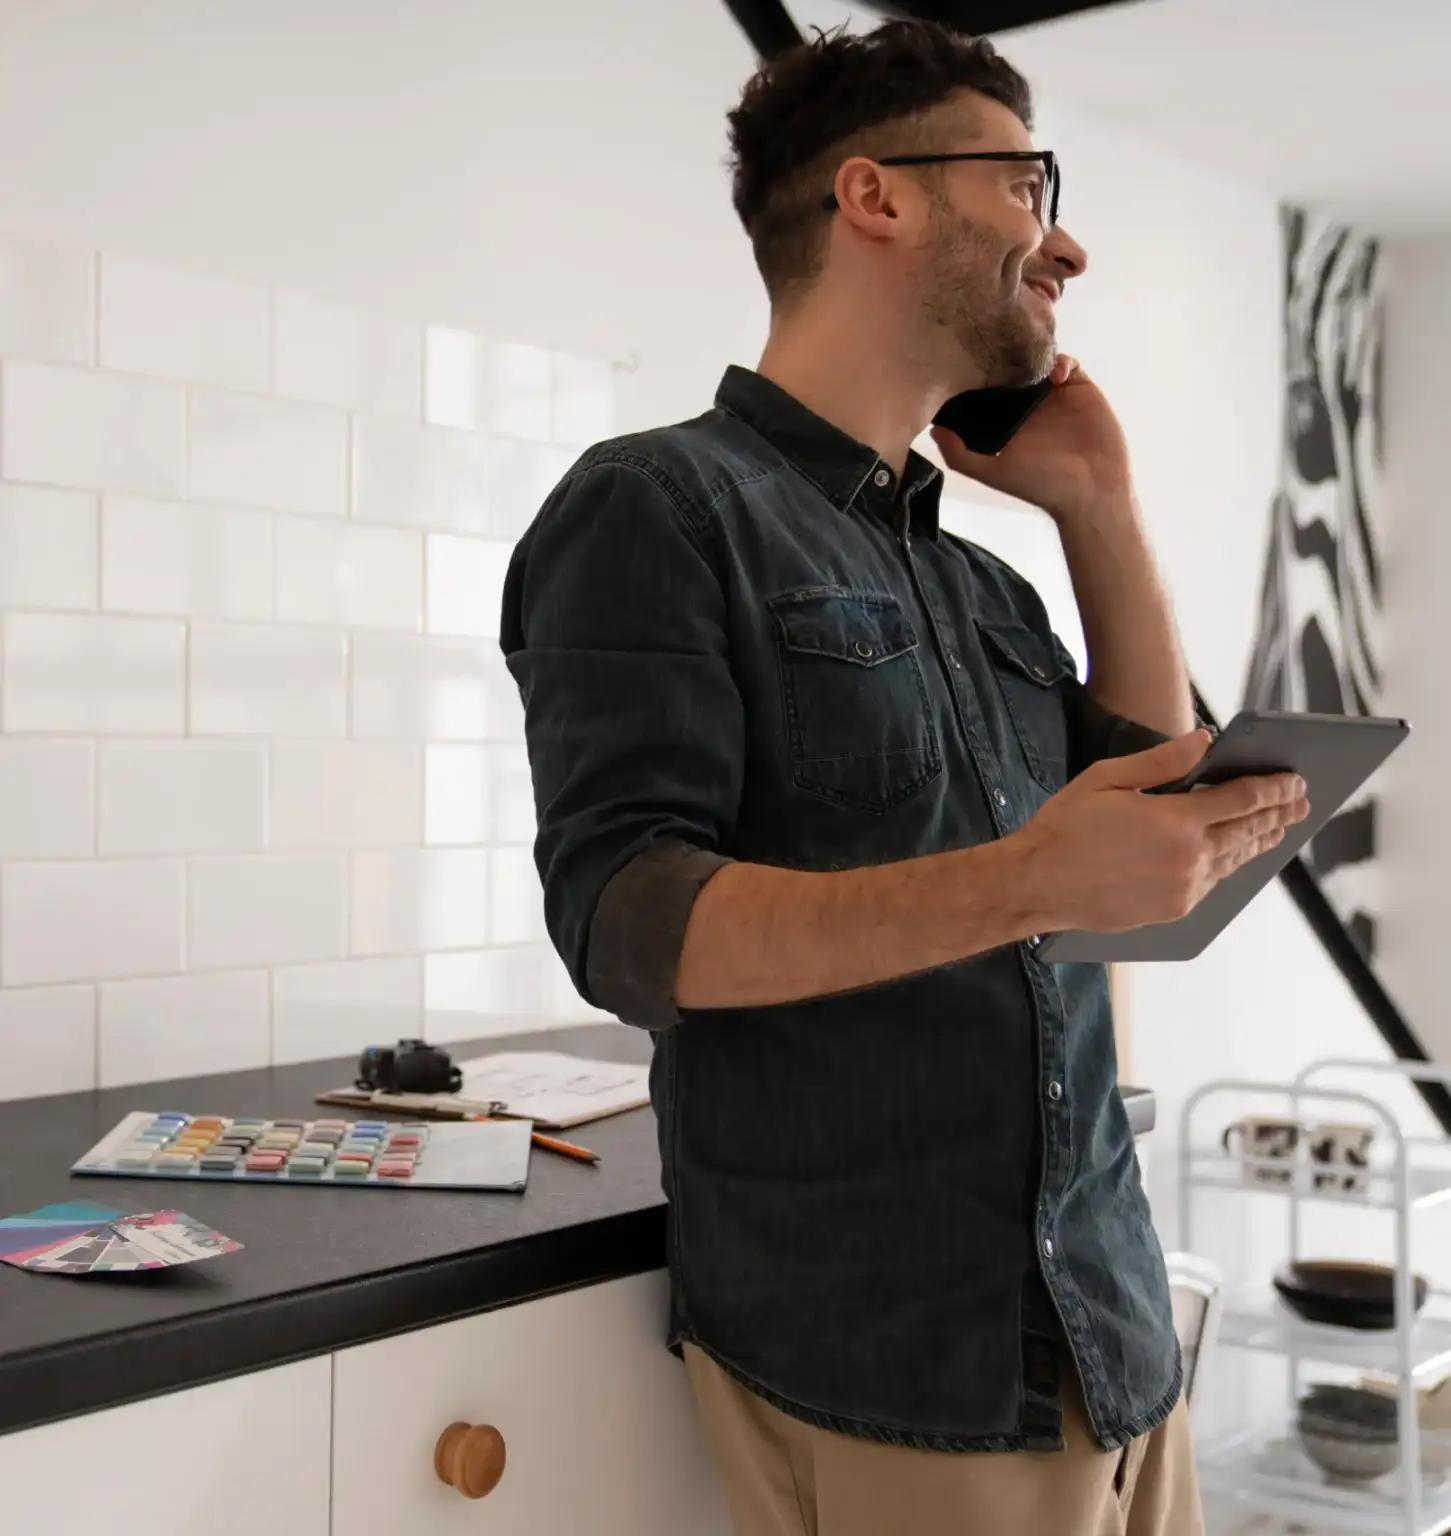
(1045, 193)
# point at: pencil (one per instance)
(565, 1148)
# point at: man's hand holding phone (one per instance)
(1104, 856)
(1068, 456)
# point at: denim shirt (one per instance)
(891, 1210)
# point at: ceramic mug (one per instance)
(1343, 1154)
(1264, 1138)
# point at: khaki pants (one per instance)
(786, 1478)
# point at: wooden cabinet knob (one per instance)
(470, 1457)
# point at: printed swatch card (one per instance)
(79, 1237)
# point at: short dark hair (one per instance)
(809, 107)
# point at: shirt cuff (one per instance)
(638, 932)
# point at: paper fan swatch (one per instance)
(79, 1237)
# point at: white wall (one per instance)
(1417, 821)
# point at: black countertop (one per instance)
(321, 1268)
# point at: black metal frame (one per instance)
(768, 24)
(770, 28)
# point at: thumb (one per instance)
(1163, 764)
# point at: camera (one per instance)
(412, 1066)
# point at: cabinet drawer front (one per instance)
(599, 1430)
(235, 1458)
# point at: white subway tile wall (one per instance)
(263, 790)
(47, 799)
(107, 676)
(420, 477)
(201, 330)
(183, 797)
(47, 306)
(334, 355)
(183, 1026)
(47, 1039)
(84, 428)
(267, 453)
(198, 562)
(267, 680)
(47, 548)
(334, 1010)
(260, 911)
(419, 899)
(91, 920)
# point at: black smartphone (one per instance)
(986, 419)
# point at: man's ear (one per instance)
(866, 197)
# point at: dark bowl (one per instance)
(1356, 1413)
(1343, 1293)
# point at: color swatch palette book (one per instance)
(364, 1154)
(79, 1238)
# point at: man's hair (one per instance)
(817, 104)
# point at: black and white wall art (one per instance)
(1317, 643)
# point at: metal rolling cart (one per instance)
(1273, 1475)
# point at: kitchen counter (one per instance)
(322, 1269)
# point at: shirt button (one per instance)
(1055, 1091)
(863, 649)
(1000, 797)
(1039, 672)
(883, 478)
(955, 660)
(1047, 1247)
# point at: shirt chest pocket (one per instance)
(858, 725)
(1031, 675)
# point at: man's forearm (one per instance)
(1135, 662)
(759, 935)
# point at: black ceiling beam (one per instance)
(768, 24)
(979, 16)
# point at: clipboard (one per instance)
(1334, 754)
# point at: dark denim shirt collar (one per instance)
(845, 470)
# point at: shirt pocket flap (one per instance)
(1023, 652)
(858, 627)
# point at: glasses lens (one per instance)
(1048, 214)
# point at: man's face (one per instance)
(985, 273)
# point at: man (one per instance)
(812, 776)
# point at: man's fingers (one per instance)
(1237, 842)
(1245, 797)
(1163, 764)
(1231, 858)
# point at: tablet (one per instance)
(1334, 754)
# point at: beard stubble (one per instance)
(962, 293)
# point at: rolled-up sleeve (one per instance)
(1095, 732)
(614, 626)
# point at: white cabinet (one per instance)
(232, 1459)
(600, 1432)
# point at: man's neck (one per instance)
(840, 371)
